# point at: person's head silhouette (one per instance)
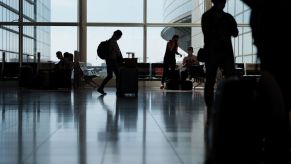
(175, 37)
(59, 55)
(219, 4)
(117, 34)
(190, 50)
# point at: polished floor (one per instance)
(82, 127)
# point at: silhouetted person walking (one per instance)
(112, 61)
(170, 57)
(217, 28)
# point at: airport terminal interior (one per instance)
(56, 116)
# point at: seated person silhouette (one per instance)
(60, 64)
(188, 62)
(68, 67)
(63, 70)
(59, 70)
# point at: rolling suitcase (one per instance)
(172, 84)
(248, 123)
(173, 80)
(173, 75)
(128, 81)
(186, 85)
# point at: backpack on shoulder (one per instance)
(103, 50)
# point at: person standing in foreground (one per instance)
(170, 58)
(113, 60)
(218, 27)
(274, 51)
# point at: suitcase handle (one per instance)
(130, 53)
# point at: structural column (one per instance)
(145, 31)
(20, 26)
(82, 30)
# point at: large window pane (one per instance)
(9, 43)
(8, 12)
(43, 43)
(175, 11)
(60, 10)
(156, 45)
(155, 11)
(247, 44)
(29, 44)
(63, 39)
(115, 11)
(131, 41)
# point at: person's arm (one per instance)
(177, 53)
(234, 29)
(196, 62)
(184, 62)
(176, 49)
(206, 28)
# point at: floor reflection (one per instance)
(82, 127)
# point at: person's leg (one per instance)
(228, 67)
(115, 70)
(165, 74)
(108, 77)
(211, 70)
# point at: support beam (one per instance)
(20, 20)
(145, 31)
(82, 30)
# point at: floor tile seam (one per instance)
(11, 126)
(5, 129)
(42, 143)
(167, 139)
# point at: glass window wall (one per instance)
(109, 16)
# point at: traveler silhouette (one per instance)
(68, 67)
(59, 71)
(273, 51)
(218, 27)
(113, 60)
(272, 48)
(60, 64)
(169, 58)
